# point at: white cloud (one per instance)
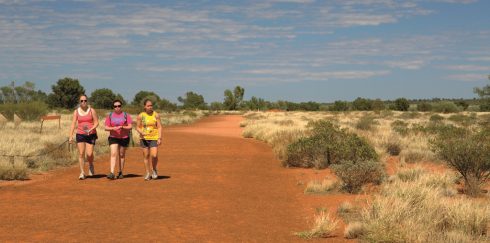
(482, 58)
(468, 77)
(410, 65)
(468, 68)
(180, 68)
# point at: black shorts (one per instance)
(124, 142)
(90, 139)
(148, 143)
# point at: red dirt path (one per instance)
(215, 186)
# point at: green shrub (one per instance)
(424, 106)
(328, 145)
(433, 128)
(393, 146)
(400, 127)
(366, 123)
(468, 153)
(446, 107)
(436, 118)
(26, 111)
(356, 174)
(409, 115)
(463, 119)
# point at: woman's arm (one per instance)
(107, 124)
(96, 120)
(159, 126)
(138, 125)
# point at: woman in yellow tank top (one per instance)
(149, 127)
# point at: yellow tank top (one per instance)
(149, 126)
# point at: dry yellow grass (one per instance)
(267, 127)
(321, 187)
(421, 210)
(323, 227)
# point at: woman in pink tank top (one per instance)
(86, 120)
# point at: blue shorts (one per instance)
(90, 139)
(148, 143)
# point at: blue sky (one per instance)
(297, 50)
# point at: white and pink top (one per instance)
(85, 122)
(115, 120)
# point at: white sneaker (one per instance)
(154, 175)
(147, 177)
(82, 176)
(91, 171)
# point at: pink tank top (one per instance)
(85, 122)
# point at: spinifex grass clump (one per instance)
(328, 145)
(366, 123)
(356, 174)
(468, 153)
(420, 210)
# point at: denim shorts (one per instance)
(90, 139)
(148, 143)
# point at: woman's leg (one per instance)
(146, 153)
(114, 156)
(89, 151)
(154, 157)
(122, 156)
(81, 157)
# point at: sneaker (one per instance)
(91, 171)
(82, 176)
(147, 177)
(154, 176)
(111, 176)
(120, 175)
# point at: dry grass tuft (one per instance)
(354, 230)
(324, 227)
(321, 187)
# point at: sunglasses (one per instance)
(81, 101)
(117, 106)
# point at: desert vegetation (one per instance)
(411, 205)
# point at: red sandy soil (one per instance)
(214, 186)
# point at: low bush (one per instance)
(366, 123)
(436, 118)
(400, 127)
(466, 152)
(393, 146)
(26, 111)
(356, 174)
(463, 119)
(446, 107)
(328, 145)
(424, 106)
(409, 115)
(16, 171)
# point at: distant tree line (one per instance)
(66, 91)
